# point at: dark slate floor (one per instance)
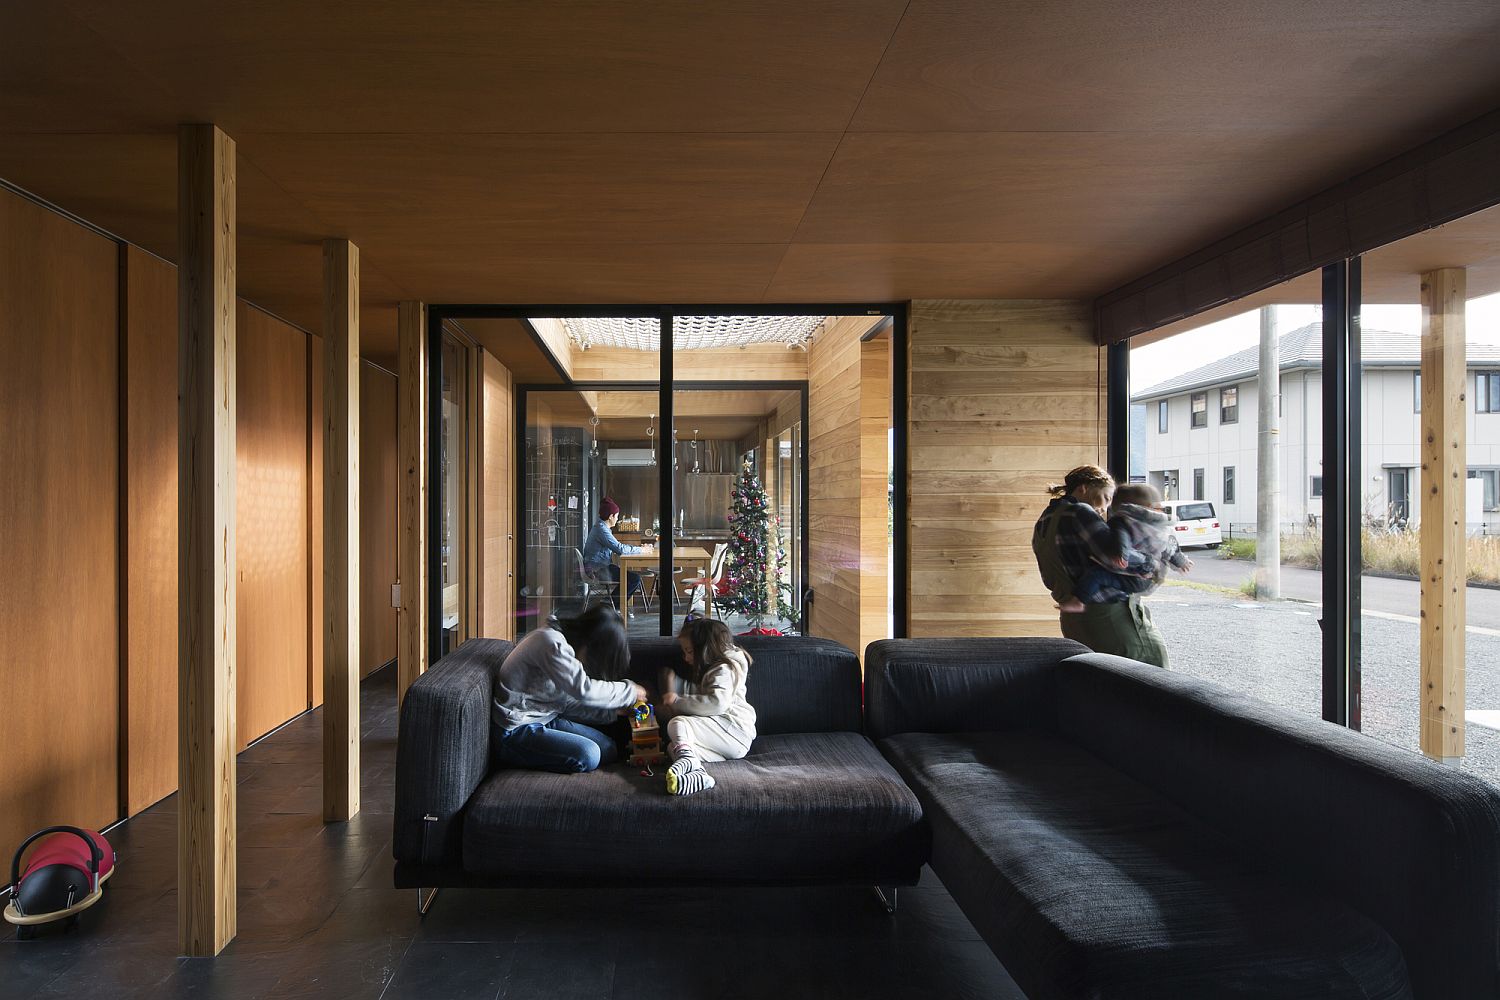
(318, 918)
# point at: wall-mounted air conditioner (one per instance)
(628, 457)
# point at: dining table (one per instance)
(682, 555)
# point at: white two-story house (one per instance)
(1201, 427)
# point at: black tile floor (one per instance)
(318, 917)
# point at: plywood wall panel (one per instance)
(149, 712)
(271, 523)
(844, 605)
(315, 520)
(497, 515)
(1005, 398)
(377, 517)
(59, 513)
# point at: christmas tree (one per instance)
(753, 570)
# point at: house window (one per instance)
(1416, 393)
(1487, 392)
(1316, 490)
(1229, 484)
(1161, 417)
(1229, 405)
(1197, 484)
(1200, 410)
(1491, 478)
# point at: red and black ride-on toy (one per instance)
(64, 876)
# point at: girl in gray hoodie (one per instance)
(555, 682)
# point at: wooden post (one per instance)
(206, 879)
(340, 530)
(1443, 541)
(411, 505)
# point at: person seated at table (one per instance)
(601, 547)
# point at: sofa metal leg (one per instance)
(424, 900)
(887, 897)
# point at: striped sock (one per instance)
(686, 759)
(689, 782)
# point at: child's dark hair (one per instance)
(600, 633)
(1140, 494)
(710, 640)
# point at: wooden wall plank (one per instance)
(341, 580)
(150, 470)
(1005, 396)
(59, 449)
(206, 873)
(846, 598)
(1443, 542)
(377, 517)
(761, 362)
(411, 510)
(271, 524)
(497, 515)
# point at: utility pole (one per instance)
(1268, 462)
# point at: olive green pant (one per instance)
(1124, 629)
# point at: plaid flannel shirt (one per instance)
(1084, 540)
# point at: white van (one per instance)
(1194, 523)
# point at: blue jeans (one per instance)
(560, 746)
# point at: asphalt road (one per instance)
(1380, 594)
(1272, 650)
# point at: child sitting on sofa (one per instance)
(554, 682)
(710, 720)
(1149, 548)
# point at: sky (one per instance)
(1188, 350)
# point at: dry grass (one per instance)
(1398, 553)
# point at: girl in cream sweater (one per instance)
(710, 720)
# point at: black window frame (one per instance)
(1194, 413)
(1200, 484)
(1315, 488)
(1162, 416)
(1228, 485)
(1229, 414)
(1416, 392)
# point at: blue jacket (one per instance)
(601, 547)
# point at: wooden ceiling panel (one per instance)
(1170, 192)
(58, 74)
(522, 66)
(438, 270)
(602, 188)
(893, 272)
(1288, 68)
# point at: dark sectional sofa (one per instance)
(813, 803)
(1113, 830)
(1116, 830)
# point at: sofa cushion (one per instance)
(1087, 883)
(1401, 838)
(814, 807)
(798, 684)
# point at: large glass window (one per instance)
(1246, 614)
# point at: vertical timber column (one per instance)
(340, 530)
(411, 504)
(1444, 559)
(206, 878)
